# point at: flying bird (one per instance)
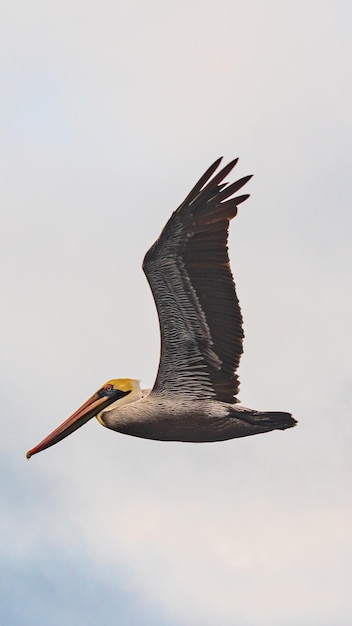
(194, 397)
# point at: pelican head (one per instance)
(114, 393)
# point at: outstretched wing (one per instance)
(189, 273)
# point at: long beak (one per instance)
(88, 410)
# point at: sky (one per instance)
(109, 113)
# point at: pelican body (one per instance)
(194, 397)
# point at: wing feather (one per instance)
(189, 274)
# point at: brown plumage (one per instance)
(189, 273)
(194, 397)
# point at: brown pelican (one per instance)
(194, 397)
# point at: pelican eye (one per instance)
(107, 390)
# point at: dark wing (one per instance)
(189, 273)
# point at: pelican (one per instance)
(194, 397)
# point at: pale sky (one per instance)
(109, 114)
